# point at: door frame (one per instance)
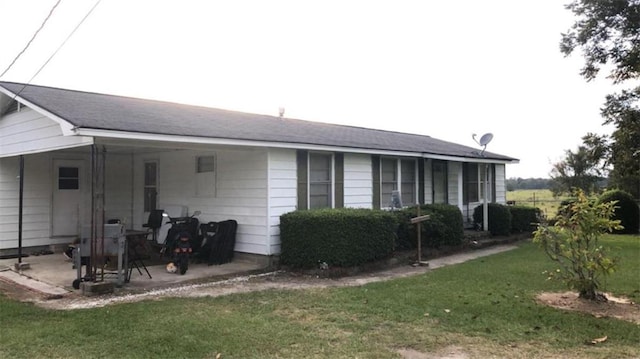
(83, 193)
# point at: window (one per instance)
(320, 180)
(408, 182)
(68, 178)
(440, 188)
(150, 186)
(398, 175)
(206, 176)
(475, 176)
(206, 164)
(471, 182)
(389, 180)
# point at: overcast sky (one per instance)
(446, 69)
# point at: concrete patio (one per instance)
(53, 274)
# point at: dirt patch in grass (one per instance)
(450, 352)
(619, 308)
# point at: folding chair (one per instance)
(154, 222)
(135, 256)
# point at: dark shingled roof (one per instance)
(107, 112)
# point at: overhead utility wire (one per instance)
(55, 52)
(64, 42)
(32, 38)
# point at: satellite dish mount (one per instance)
(484, 141)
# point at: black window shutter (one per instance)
(375, 168)
(339, 176)
(302, 163)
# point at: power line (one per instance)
(32, 38)
(55, 52)
(65, 41)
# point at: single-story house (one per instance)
(128, 156)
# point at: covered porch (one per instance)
(52, 275)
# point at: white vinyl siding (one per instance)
(282, 192)
(27, 131)
(454, 191)
(501, 189)
(37, 201)
(358, 189)
(428, 181)
(241, 191)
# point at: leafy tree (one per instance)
(608, 33)
(573, 243)
(623, 111)
(582, 169)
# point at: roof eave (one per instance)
(125, 135)
(66, 126)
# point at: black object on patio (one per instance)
(219, 241)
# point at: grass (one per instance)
(541, 198)
(485, 306)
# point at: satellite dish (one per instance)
(485, 139)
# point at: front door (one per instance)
(69, 194)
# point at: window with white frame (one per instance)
(408, 182)
(388, 180)
(440, 187)
(206, 176)
(320, 180)
(475, 176)
(398, 174)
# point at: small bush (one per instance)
(524, 219)
(340, 237)
(444, 228)
(626, 210)
(499, 218)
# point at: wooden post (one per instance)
(418, 220)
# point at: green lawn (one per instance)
(486, 307)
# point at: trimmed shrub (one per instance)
(524, 219)
(499, 218)
(444, 228)
(343, 237)
(626, 210)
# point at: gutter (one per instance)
(141, 136)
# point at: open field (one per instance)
(541, 198)
(482, 308)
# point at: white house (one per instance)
(86, 152)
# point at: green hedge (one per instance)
(444, 228)
(340, 237)
(499, 218)
(524, 219)
(627, 210)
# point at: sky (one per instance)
(446, 69)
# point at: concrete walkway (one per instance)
(243, 283)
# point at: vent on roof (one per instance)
(281, 111)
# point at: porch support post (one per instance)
(20, 206)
